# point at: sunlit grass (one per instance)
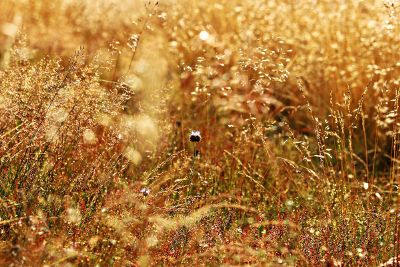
(199, 133)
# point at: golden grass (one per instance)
(297, 104)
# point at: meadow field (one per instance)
(199, 133)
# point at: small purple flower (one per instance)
(145, 191)
(195, 136)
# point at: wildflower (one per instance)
(195, 136)
(365, 185)
(395, 186)
(145, 191)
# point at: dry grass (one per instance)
(297, 104)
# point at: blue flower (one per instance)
(145, 191)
